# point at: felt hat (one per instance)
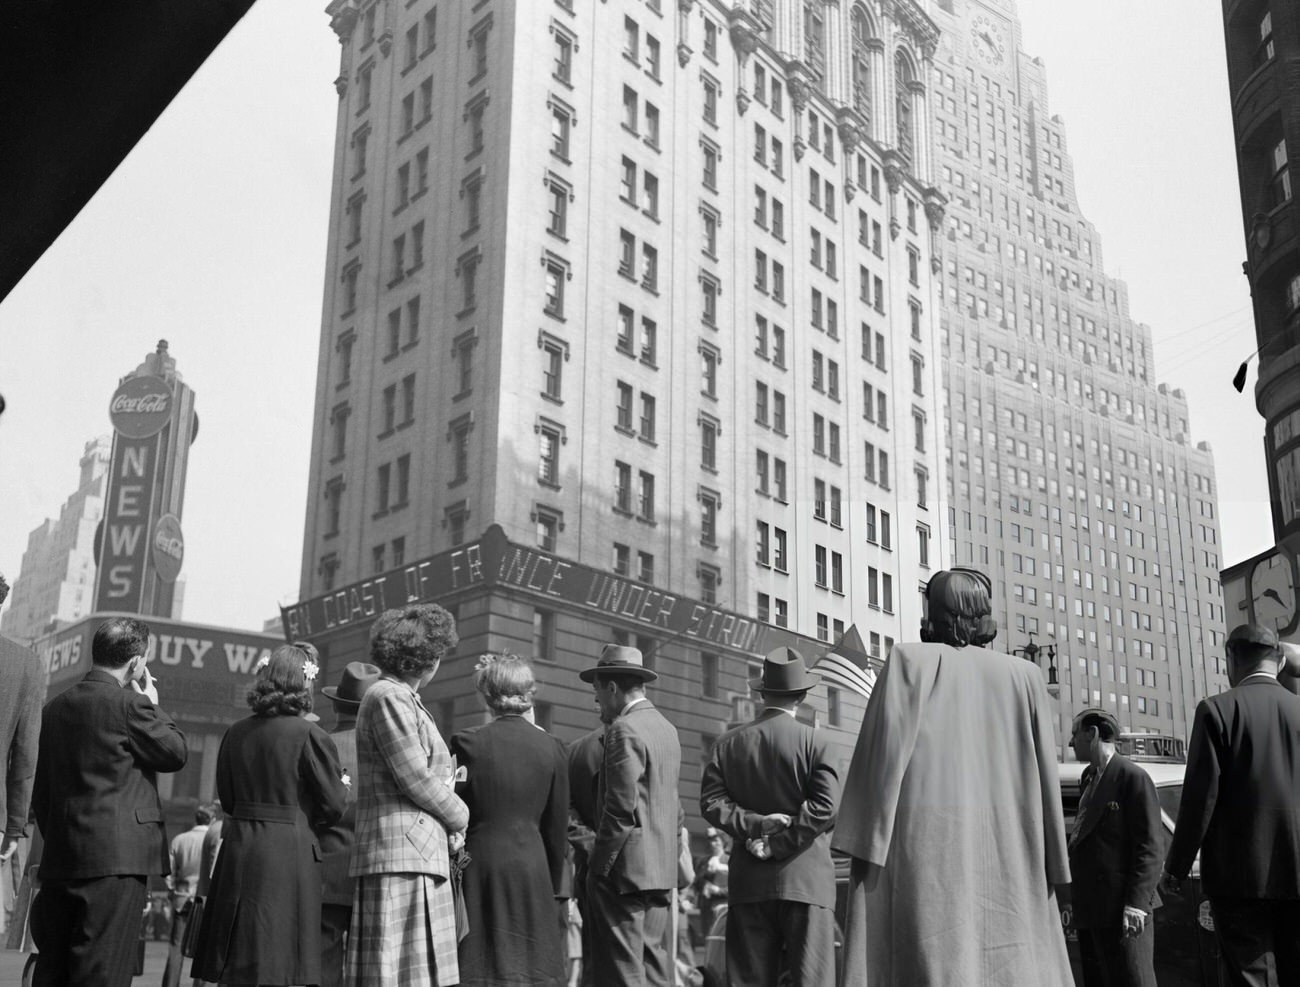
(358, 676)
(619, 659)
(1257, 635)
(784, 674)
(1096, 712)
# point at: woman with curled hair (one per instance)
(409, 817)
(517, 789)
(279, 781)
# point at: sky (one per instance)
(212, 233)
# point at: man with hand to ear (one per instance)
(95, 798)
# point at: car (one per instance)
(1186, 951)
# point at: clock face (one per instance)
(1273, 593)
(988, 41)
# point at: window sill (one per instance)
(337, 459)
(385, 433)
(457, 481)
(470, 231)
(462, 395)
(648, 521)
(391, 355)
(382, 512)
(624, 430)
(405, 424)
(467, 310)
(649, 362)
(548, 484)
(552, 398)
(622, 511)
(649, 442)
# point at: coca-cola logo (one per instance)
(141, 407)
(168, 547)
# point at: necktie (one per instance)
(1085, 800)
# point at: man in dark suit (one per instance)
(22, 688)
(773, 785)
(1114, 859)
(585, 755)
(1239, 809)
(96, 802)
(336, 841)
(633, 866)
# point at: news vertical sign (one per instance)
(141, 411)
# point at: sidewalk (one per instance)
(155, 958)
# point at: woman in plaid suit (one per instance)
(403, 918)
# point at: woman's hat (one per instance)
(358, 676)
(619, 659)
(784, 674)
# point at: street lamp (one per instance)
(1031, 651)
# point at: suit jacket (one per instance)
(406, 805)
(336, 840)
(775, 764)
(96, 793)
(22, 690)
(636, 842)
(1115, 857)
(1239, 804)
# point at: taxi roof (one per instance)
(1162, 772)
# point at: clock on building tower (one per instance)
(1273, 593)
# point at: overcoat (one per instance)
(278, 778)
(954, 790)
(517, 791)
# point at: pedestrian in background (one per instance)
(95, 798)
(584, 756)
(279, 781)
(1115, 851)
(183, 882)
(22, 690)
(336, 841)
(516, 787)
(634, 857)
(952, 811)
(409, 816)
(1241, 809)
(772, 785)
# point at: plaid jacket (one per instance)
(406, 805)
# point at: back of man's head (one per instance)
(1106, 724)
(204, 815)
(118, 640)
(1252, 648)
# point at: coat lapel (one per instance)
(1102, 794)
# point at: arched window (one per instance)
(814, 41)
(862, 32)
(903, 77)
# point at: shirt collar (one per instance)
(781, 709)
(631, 703)
(1256, 675)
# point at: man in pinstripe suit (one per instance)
(633, 866)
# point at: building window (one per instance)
(710, 290)
(837, 572)
(779, 558)
(778, 480)
(647, 417)
(649, 267)
(467, 269)
(1264, 52)
(554, 353)
(339, 426)
(562, 69)
(922, 485)
(709, 503)
(835, 506)
(455, 519)
(631, 40)
(543, 635)
(923, 545)
(623, 487)
(645, 567)
(399, 552)
(333, 506)
(650, 195)
(763, 542)
(709, 429)
(651, 124)
(646, 500)
(556, 273)
(819, 565)
(778, 413)
(548, 455)
(622, 560)
(458, 435)
(649, 341)
(1281, 181)
(549, 524)
(383, 488)
(630, 109)
(823, 627)
(462, 353)
(710, 101)
(709, 667)
(708, 371)
(329, 568)
(623, 420)
(918, 429)
(624, 329)
(710, 40)
(626, 254)
(918, 375)
(403, 481)
(561, 124)
(782, 611)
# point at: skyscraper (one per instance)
(56, 583)
(648, 285)
(1074, 477)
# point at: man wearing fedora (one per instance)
(336, 842)
(633, 866)
(773, 785)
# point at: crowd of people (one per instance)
(382, 854)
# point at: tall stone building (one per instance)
(56, 584)
(644, 291)
(1074, 477)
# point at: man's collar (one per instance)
(781, 709)
(632, 702)
(1272, 676)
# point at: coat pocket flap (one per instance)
(152, 815)
(421, 835)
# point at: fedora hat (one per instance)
(619, 659)
(358, 676)
(784, 674)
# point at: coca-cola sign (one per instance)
(141, 406)
(168, 547)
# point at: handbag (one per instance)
(191, 938)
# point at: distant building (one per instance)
(1074, 479)
(56, 582)
(651, 288)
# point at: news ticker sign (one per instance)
(494, 561)
(176, 650)
(140, 410)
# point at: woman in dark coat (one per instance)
(278, 778)
(517, 789)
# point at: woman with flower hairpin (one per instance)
(517, 788)
(279, 780)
